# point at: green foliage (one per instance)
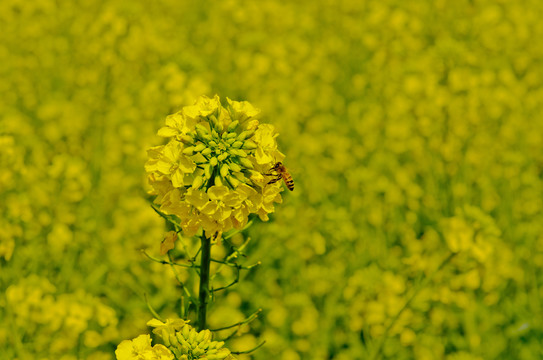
(412, 129)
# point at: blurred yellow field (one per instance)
(413, 131)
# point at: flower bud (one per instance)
(173, 340)
(203, 135)
(237, 144)
(233, 125)
(246, 163)
(216, 124)
(240, 177)
(213, 161)
(207, 336)
(235, 167)
(223, 156)
(201, 128)
(249, 145)
(192, 336)
(188, 150)
(177, 353)
(242, 136)
(218, 181)
(250, 133)
(232, 181)
(186, 139)
(199, 147)
(180, 338)
(224, 170)
(166, 337)
(207, 171)
(238, 152)
(185, 331)
(197, 182)
(200, 336)
(197, 351)
(206, 151)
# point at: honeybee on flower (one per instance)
(281, 172)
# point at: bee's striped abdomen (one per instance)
(288, 181)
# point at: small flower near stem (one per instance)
(140, 349)
(188, 344)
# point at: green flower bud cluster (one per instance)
(221, 151)
(188, 344)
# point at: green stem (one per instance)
(204, 281)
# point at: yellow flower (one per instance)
(214, 171)
(242, 110)
(175, 164)
(176, 125)
(204, 106)
(140, 349)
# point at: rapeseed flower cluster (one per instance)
(214, 171)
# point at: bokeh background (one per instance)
(413, 130)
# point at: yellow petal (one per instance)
(150, 166)
(196, 198)
(163, 166)
(192, 111)
(167, 132)
(224, 214)
(210, 207)
(262, 157)
(168, 243)
(239, 217)
(142, 343)
(243, 109)
(245, 191)
(232, 199)
(217, 192)
(186, 164)
(263, 215)
(161, 352)
(190, 228)
(155, 152)
(171, 152)
(251, 124)
(177, 178)
(155, 323)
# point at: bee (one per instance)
(281, 172)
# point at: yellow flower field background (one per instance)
(413, 131)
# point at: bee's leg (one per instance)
(272, 181)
